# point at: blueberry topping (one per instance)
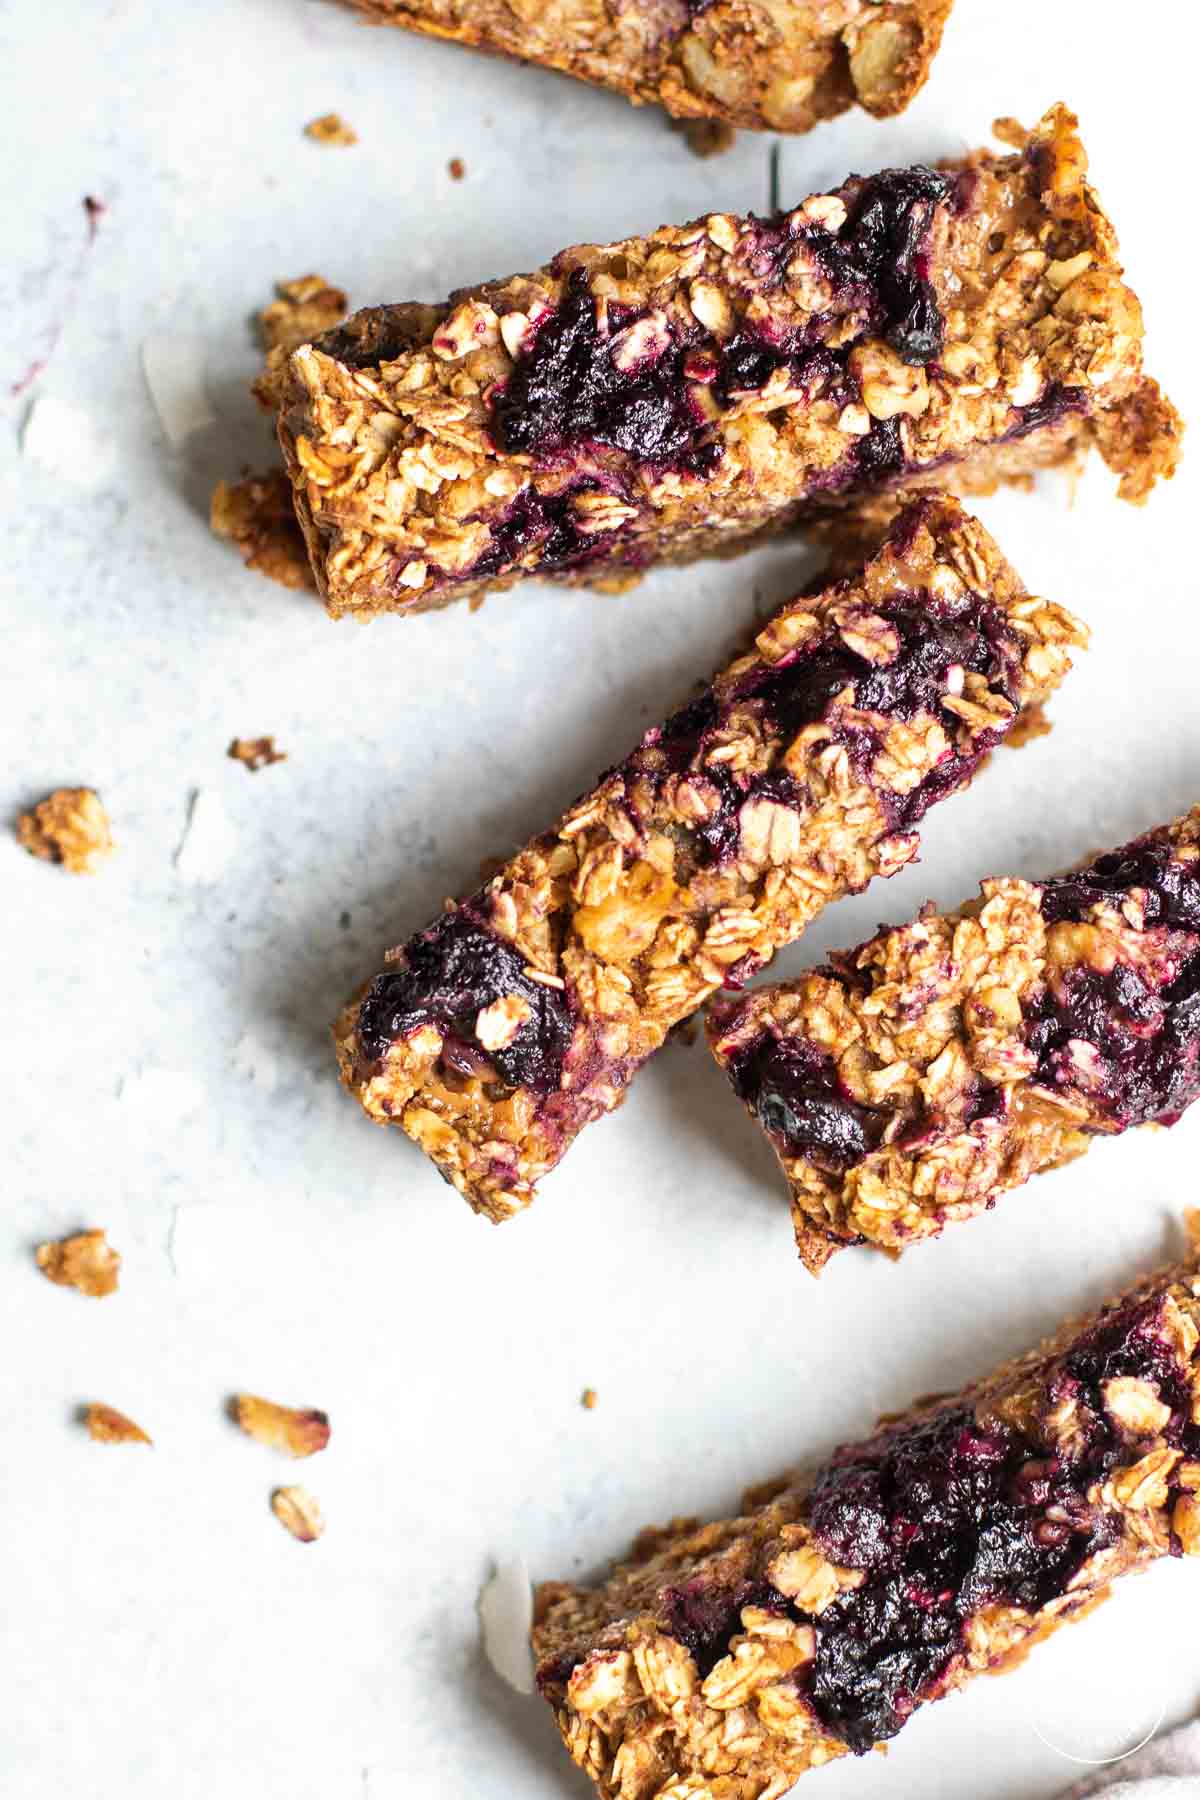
(947, 1518)
(1140, 1043)
(883, 248)
(1058, 402)
(795, 1091)
(448, 975)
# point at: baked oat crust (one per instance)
(721, 1662)
(916, 1079)
(771, 65)
(522, 1014)
(682, 395)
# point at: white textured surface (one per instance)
(159, 1635)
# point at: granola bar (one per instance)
(521, 1015)
(680, 395)
(915, 1079)
(722, 1661)
(777, 65)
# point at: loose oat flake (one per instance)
(299, 1513)
(108, 1426)
(70, 827)
(87, 1262)
(331, 128)
(295, 1430)
(255, 753)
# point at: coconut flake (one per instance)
(506, 1618)
(174, 371)
(208, 840)
(63, 441)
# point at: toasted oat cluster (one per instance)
(679, 395)
(728, 1659)
(255, 753)
(257, 515)
(69, 827)
(295, 1430)
(87, 1262)
(299, 1513)
(803, 771)
(917, 1078)
(777, 65)
(105, 1425)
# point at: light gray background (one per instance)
(159, 1634)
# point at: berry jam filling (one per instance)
(567, 391)
(1169, 890)
(883, 251)
(947, 1518)
(546, 521)
(1132, 1047)
(448, 975)
(1058, 402)
(795, 1092)
(932, 639)
(704, 1617)
(581, 383)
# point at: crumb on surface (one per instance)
(298, 1513)
(456, 168)
(69, 827)
(588, 1399)
(93, 211)
(257, 515)
(255, 753)
(331, 128)
(87, 1262)
(108, 1426)
(295, 1430)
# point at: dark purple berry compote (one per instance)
(594, 378)
(946, 1517)
(447, 976)
(798, 1098)
(1127, 1036)
(937, 642)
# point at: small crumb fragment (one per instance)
(506, 1619)
(108, 1426)
(297, 1431)
(456, 168)
(257, 515)
(93, 211)
(302, 310)
(70, 827)
(208, 839)
(87, 1262)
(331, 128)
(296, 1510)
(1030, 723)
(255, 753)
(707, 137)
(588, 1399)
(1010, 131)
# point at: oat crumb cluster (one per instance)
(910, 1082)
(726, 1660)
(767, 65)
(493, 1037)
(680, 395)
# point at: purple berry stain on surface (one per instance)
(448, 975)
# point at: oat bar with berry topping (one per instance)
(721, 1662)
(914, 1080)
(679, 395)
(765, 65)
(522, 1014)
